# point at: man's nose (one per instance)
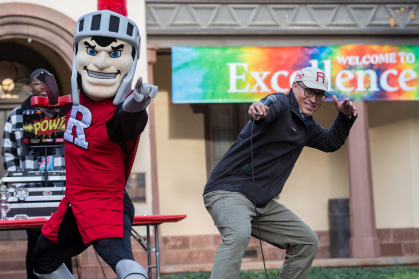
(102, 60)
(313, 99)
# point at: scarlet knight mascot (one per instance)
(102, 133)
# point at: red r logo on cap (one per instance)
(321, 75)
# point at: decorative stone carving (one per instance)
(250, 18)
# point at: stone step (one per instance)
(94, 271)
(335, 263)
(9, 265)
(13, 249)
(20, 274)
(12, 255)
(13, 274)
(15, 269)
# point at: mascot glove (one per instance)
(141, 97)
(144, 90)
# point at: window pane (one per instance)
(14, 80)
(226, 122)
(243, 116)
(222, 129)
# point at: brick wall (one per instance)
(399, 242)
(195, 251)
(201, 249)
(13, 235)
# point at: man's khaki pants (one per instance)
(234, 216)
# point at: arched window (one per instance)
(14, 80)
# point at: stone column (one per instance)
(364, 241)
(152, 58)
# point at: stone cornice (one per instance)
(400, 2)
(281, 17)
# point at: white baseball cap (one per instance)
(313, 78)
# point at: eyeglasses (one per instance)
(310, 93)
(35, 83)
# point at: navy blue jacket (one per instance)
(277, 143)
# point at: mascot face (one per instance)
(102, 63)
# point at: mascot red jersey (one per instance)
(102, 132)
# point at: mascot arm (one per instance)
(140, 98)
(129, 125)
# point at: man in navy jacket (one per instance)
(280, 133)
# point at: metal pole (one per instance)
(150, 269)
(46, 169)
(4, 196)
(156, 240)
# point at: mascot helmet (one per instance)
(108, 24)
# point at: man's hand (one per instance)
(346, 107)
(259, 108)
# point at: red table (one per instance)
(147, 220)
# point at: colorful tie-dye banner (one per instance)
(247, 74)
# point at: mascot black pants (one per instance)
(33, 236)
(48, 256)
